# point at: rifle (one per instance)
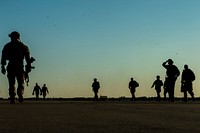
(28, 70)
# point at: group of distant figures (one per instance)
(38, 91)
(172, 73)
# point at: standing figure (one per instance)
(187, 78)
(37, 91)
(132, 86)
(14, 52)
(172, 73)
(95, 87)
(157, 83)
(44, 91)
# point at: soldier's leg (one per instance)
(12, 93)
(133, 95)
(20, 88)
(185, 96)
(190, 91)
(37, 96)
(171, 95)
(165, 93)
(44, 96)
(96, 95)
(192, 94)
(158, 95)
(171, 90)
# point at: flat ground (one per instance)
(99, 117)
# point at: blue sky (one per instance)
(74, 41)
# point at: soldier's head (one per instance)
(131, 79)
(14, 35)
(186, 67)
(95, 79)
(170, 62)
(158, 77)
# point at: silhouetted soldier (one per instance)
(157, 83)
(171, 75)
(37, 91)
(95, 87)
(132, 86)
(187, 78)
(14, 52)
(44, 91)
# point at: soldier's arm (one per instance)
(129, 85)
(161, 82)
(153, 84)
(3, 57)
(164, 64)
(27, 55)
(3, 60)
(182, 76)
(33, 91)
(178, 72)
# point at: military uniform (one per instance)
(132, 86)
(187, 78)
(95, 86)
(37, 91)
(44, 91)
(15, 52)
(171, 75)
(157, 83)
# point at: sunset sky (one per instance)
(75, 41)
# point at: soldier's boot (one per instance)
(192, 95)
(20, 91)
(12, 97)
(12, 100)
(185, 96)
(21, 99)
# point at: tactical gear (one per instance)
(28, 70)
(15, 52)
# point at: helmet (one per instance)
(14, 34)
(170, 61)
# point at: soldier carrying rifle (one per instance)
(15, 52)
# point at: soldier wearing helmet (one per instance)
(172, 73)
(14, 52)
(132, 86)
(187, 78)
(157, 83)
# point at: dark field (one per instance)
(99, 117)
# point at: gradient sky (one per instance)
(74, 41)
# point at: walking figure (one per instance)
(132, 86)
(187, 78)
(15, 52)
(157, 83)
(95, 87)
(44, 91)
(172, 73)
(37, 91)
